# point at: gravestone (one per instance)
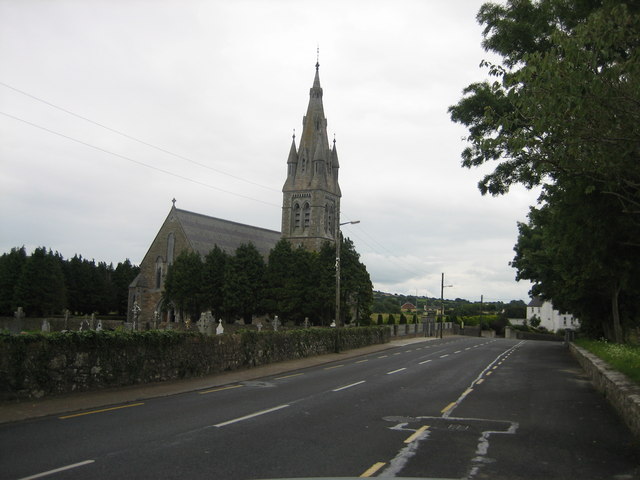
(219, 328)
(276, 324)
(46, 326)
(205, 323)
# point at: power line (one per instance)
(137, 162)
(130, 137)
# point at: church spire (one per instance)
(311, 202)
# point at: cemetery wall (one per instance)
(38, 365)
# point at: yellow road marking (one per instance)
(100, 411)
(228, 387)
(362, 361)
(373, 469)
(416, 434)
(468, 391)
(335, 366)
(290, 376)
(480, 381)
(448, 407)
(489, 373)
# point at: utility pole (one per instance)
(442, 287)
(338, 243)
(481, 308)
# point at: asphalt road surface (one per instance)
(462, 407)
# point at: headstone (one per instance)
(205, 323)
(276, 324)
(219, 328)
(66, 318)
(46, 326)
(84, 325)
(135, 310)
(259, 325)
(306, 322)
(156, 318)
(99, 326)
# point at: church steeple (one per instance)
(311, 194)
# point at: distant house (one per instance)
(550, 318)
(408, 307)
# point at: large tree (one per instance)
(40, 289)
(563, 112)
(244, 282)
(11, 265)
(183, 287)
(215, 264)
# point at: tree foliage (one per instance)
(563, 112)
(44, 283)
(294, 284)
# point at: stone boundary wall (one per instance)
(620, 391)
(36, 365)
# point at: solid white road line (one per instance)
(252, 415)
(348, 386)
(58, 470)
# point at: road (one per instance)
(460, 407)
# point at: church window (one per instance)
(326, 218)
(307, 215)
(296, 215)
(158, 272)
(171, 245)
(331, 220)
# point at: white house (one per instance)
(550, 318)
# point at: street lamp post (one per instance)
(338, 242)
(442, 287)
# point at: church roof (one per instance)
(204, 232)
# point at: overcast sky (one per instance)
(212, 91)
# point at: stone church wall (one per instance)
(148, 296)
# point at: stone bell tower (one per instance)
(311, 194)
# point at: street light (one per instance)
(442, 287)
(338, 241)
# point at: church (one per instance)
(310, 217)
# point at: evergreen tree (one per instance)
(11, 266)
(215, 264)
(184, 285)
(40, 289)
(244, 283)
(122, 277)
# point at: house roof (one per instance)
(535, 302)
(204, 232)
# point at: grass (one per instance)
(624, 358)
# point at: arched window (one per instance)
(159, 272)
(296, 215)
(326, 218)
(307, 215)
(331, 219)
(171, 245)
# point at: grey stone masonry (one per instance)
(620, 391)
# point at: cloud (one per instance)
(221, 85)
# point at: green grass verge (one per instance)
(623, 358)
